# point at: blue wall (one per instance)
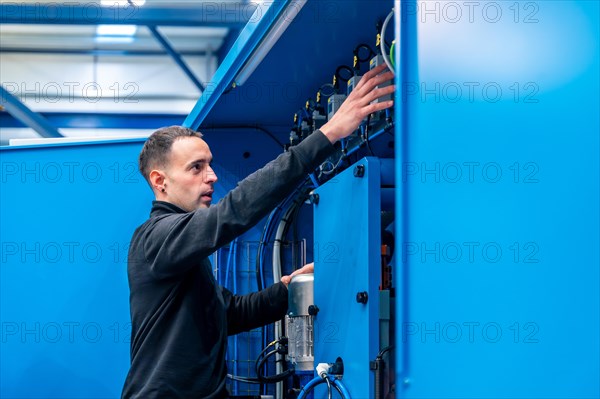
(68, 212)
(500, 234)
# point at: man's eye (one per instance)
(197, 167)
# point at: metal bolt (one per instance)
(362, 297)
(359, 170)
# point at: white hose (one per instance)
(276, 278)
(384, 54)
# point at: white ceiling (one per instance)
(155, 84)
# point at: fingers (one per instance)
(378, 93)
(374, 77)
(376, 81)
(373, 72)
(378, 106)
(358, 104)
(308, 268)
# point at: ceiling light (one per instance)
(285, 19)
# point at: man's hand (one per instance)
(358, 104)
(309, 268)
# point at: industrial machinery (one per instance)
(338, 332)
(437, 228)
(299, 322)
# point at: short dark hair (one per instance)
(158, 146)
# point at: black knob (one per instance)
(313, 310)
(359, 170)
(362, 297)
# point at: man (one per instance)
(180, 316)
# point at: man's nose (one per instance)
(211, 176)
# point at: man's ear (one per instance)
(157, 180)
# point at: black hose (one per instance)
(344, 68)
(384, 350)
(259, 363)
(379, 367)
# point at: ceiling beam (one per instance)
(26, 116)
(98, 52)
(176, 57)
(97, 120)
(210, 14)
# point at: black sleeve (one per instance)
(245, 312)
(175, 242)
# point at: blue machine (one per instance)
(68, 212)
(495, 197)
(348, 270)
(498, 192)
(67, 217)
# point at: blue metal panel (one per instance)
(233, 15)
(500, 171)
(20, 111)
(227, 44)
(347, 261)
(249, 38)
(67, 214)
(320, 38)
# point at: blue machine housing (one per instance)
(68, 213)
(498, 191)
(497, 221)
(348, 264)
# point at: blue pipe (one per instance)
(260, 270)
(227, 283)
(309, 387)
(273, 216)
(235, 337)
(227, 267)
(314, 180)
(318, 381)
(342, 387)
(218, 263)
(233, 253)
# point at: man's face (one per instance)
(189, 177)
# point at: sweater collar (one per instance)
(164, 208)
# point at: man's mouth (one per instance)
(208, 194)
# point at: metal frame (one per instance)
(230, 15)
(210, 14)
(85, 120)
(176, 57)
(100, 52)
(21, 112)
(248, 40)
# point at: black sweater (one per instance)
(180, 316)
